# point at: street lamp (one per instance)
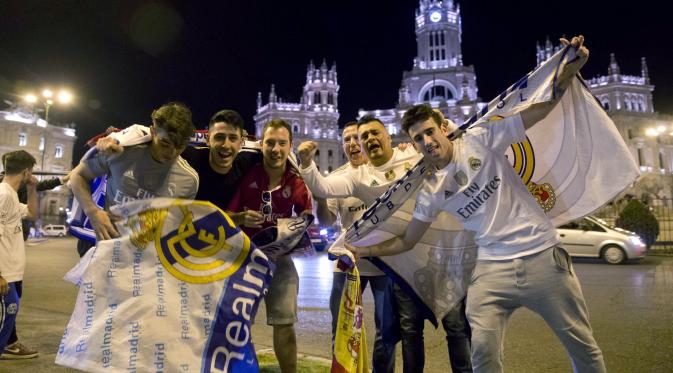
(64, 97)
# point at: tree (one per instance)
(637, 217)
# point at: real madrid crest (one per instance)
(390, 175)
(475, 163)
(544, 195)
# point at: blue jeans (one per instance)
(383, 359)
(412, 324)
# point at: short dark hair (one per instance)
(229, 117)
(174, 117)
(17, 161)
(277, 123)
(418, 114)
(351, 123)
(369, 118)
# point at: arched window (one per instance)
(23, 139)
(58, 152)
(606, 105)
(295, 129)
(437, 93)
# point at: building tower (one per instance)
(438, 76)
(314, 118)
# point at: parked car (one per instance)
(318, 239)
(593, 237)
(54, 230)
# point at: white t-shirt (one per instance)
(347, 210)
(481, 189)
(12, 249)
(365, 182)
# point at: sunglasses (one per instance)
(266, 207)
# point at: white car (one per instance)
(54, 230)
(593, 237)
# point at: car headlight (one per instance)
(636, 241)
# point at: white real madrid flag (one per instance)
(177, 292)
(573, 162)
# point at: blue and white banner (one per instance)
(177, 292)
(573, 162)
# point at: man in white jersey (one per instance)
(366, 183)
(140, 171)
(347, 210)
(520, 261)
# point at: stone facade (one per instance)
(51, 145)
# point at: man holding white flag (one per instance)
(520, 261)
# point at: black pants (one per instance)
(19, 290)
(412, 324)
(83, 246)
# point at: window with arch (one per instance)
(58, 152)
(23, 139)
(437, 93)
(295, 128)
(606, 105)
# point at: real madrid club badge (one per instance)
(390, 175)
(460, 178)
(475, 163)
(544, 195)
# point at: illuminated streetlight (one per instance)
(64, 97)
(47, 93)
(30, 98)
(651, 132)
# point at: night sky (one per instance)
(122, 59)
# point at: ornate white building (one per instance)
(649, 135)
(51, 145)
(314, 117)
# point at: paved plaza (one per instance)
(631, 308)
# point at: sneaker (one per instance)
(17, 351)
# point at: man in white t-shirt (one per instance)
(346, 211)
(367, 182)
(18, 167)
(520, 260)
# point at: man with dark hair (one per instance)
(142, 171)
(18, 167)
(221, 164)
(387, 165)
(274, 190)
(520, 262)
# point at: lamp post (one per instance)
(47, 99)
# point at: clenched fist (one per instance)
(306, 152)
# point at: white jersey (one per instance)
(366, 182)
(481, 189)
(348, 210)
(12, 249)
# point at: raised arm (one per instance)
(395, 245)
(537, 112)
(332, 186)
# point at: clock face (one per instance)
(435, 16)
